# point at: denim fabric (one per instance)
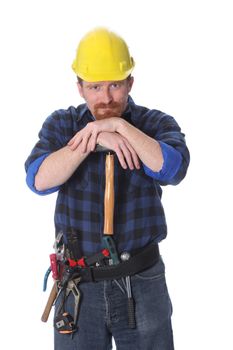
(103, 315)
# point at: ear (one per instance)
(130, 83)
(80, 89)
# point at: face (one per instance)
(106, 99)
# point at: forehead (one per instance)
(104, 83)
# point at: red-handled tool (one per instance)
(53, 265)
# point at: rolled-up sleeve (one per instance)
(31, 173)
(172, 160)
(169, 133)
(165, 130)
(50, 140)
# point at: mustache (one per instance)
(110, 110)
(107, 106)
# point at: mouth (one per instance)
(106, 109)
(106, 113)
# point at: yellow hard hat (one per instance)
(102, 56)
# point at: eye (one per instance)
(115, 85)
(94, 87)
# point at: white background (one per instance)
(183, 54)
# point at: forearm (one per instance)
(147, 149)
(58, 167)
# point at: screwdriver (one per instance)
(131, 312)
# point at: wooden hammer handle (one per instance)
(109, 195)
(51, 299)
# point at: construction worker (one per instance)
(149, 151)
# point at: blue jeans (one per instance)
(103, 315)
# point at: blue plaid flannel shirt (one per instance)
(139, 216)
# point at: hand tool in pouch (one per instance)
(64, 322)
(54, 258)
(50, 302)
(131, 312)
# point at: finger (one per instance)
(84, 143)
(76, 140)
(75, 143)
(134, 156)
(127, 156)
(121, 158)
(89, 147)
(78, 137)
(135, 159)
(87, 144)
(93, 141)
(71, 141)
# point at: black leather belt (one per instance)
(142, 260)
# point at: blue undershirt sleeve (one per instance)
(172, 162)
(31, 173)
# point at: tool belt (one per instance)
(141, 260)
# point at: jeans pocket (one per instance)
(157, 271)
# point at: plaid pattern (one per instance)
(139, 215)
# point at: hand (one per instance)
(87, 137)
(124, 151)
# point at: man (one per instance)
(150, 151)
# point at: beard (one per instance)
(103, 111)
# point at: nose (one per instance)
(106, 96)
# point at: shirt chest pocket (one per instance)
(134, 180)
